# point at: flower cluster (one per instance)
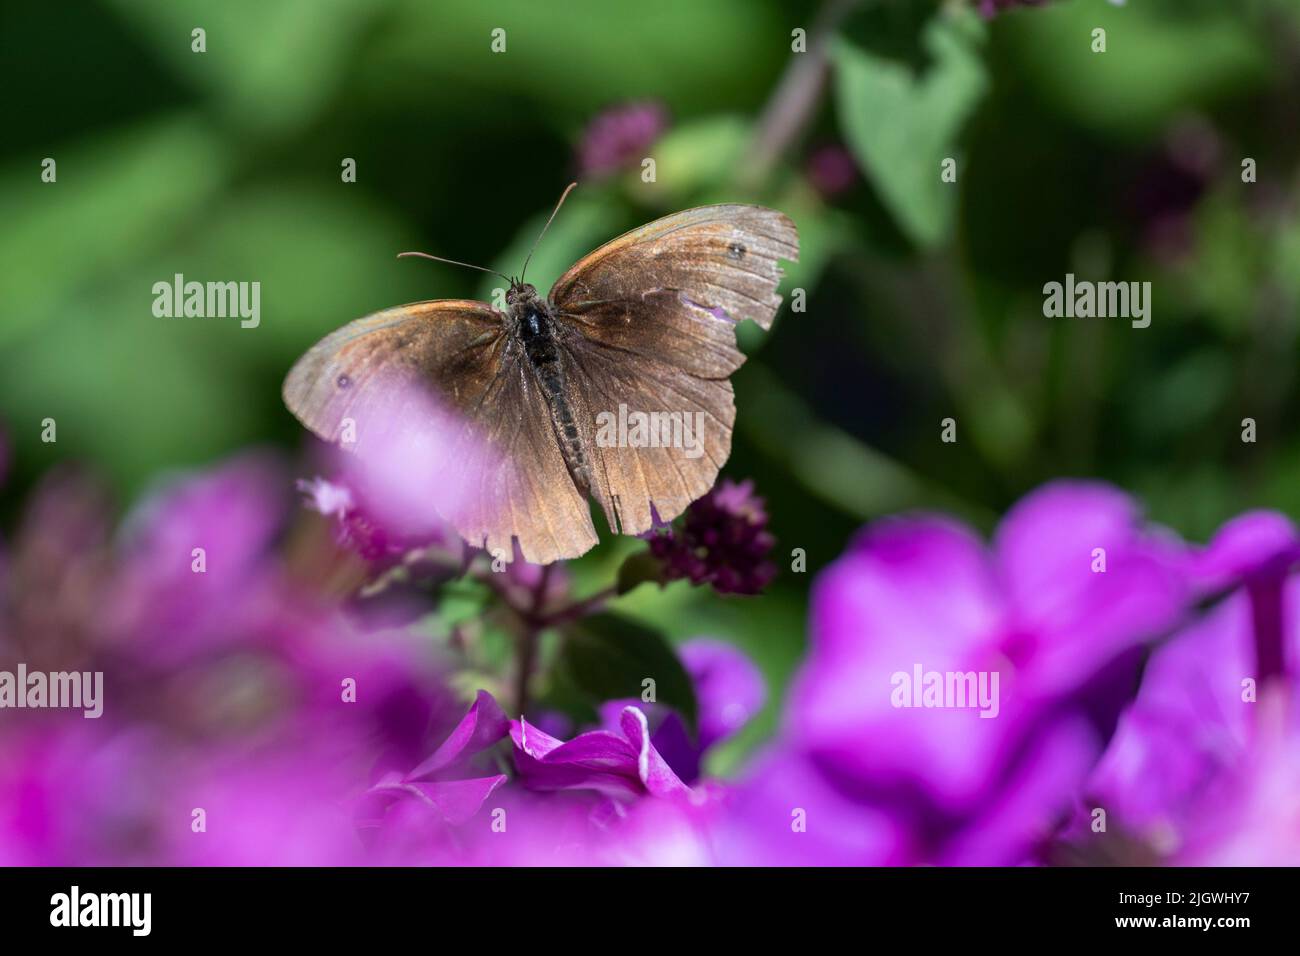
(723, 542)
(1104, 670)
(1055, 617)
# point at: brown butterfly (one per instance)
(643, 326)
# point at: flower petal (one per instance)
(480, 728)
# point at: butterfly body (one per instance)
(615, 386)
(532, 320)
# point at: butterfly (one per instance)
(641, 330)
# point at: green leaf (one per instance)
(696, 155)
(637, 570)
(901, 125)
(608, 656)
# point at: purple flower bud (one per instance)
(1168, 186)
(357, 529)
(619, 137)
(723, 541)
(831, 170)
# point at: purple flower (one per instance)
(619, 137)
(57, 572)
(624, 764)
(109, 793)
(723, 541)
(729, 691)
(788, 812)
(965, 691)
(439, 782)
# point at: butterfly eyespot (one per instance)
(736, 251)
(344, 381)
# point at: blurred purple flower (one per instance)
(1169, 184)
(1203, 766)
(56, 573)
(226, 688)
(831, 170)
(1254, 545)
(723, 541)
(620, 136)
(194, 562)
(407, 471)
(1052, 618)
(355, 529)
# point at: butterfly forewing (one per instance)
(368, 360)
(378, 371)
(651, 319)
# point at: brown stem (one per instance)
(791, 105)
(532, 626)
(580, 609)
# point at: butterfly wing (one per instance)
(650, 322)
(376, 369)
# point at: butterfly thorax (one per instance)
(535, 325)
(533, 322)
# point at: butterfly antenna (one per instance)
(453, 262)
(544, 228)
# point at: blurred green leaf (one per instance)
(694, 156)
(138, 392)
(116, 198)
(587, 220)
(267, 65)
(901, 126)
(583, 55)
(608, 656)
(1162, 57)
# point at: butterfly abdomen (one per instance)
(537, 333)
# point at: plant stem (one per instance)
(580, 609)
(791, 105)
(532, 625)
